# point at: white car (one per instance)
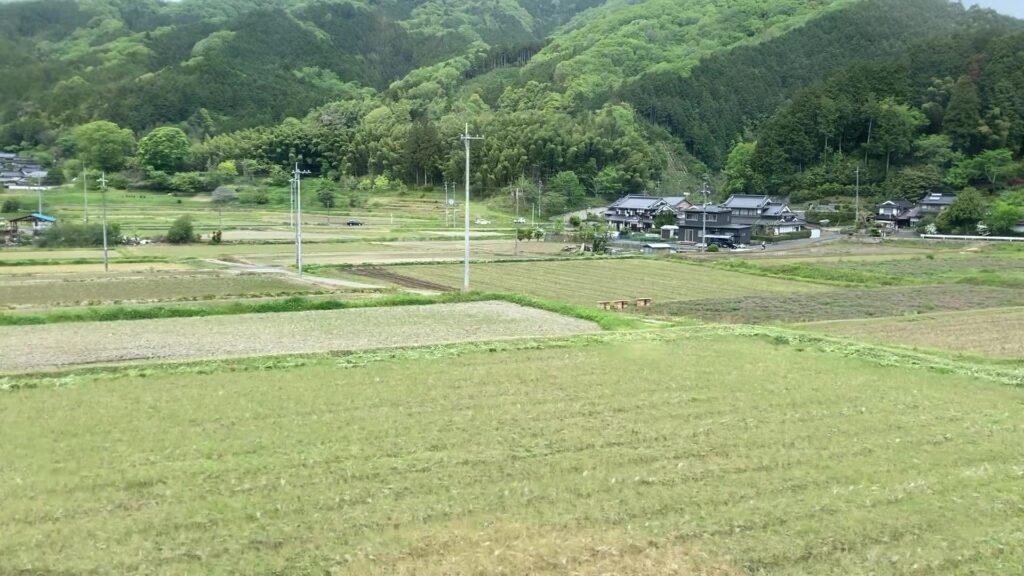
(519, 220)
(482, 221)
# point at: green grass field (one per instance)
(586, 282)
(150, 213)
(998, 332)
(675, 454)
(1003, 267)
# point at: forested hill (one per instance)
(245, 62)
(608, 94)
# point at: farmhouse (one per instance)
(635, 212)
(935, 202)
(896, 213)
(719, 224)
(764, 215)
(38, 221)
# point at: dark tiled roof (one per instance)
(637, 203)
(746, 201)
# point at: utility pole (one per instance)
(704, 215)
(103, 195)
(291, 208)
(467, 139)
(39, 195)
(447, 203)
(856, 218)
(297, 178)
(85, 191)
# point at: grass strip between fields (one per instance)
(606, 320)
(69, 261)
(990, 371)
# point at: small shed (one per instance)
(669, 232)
(656, 248)
(39, 222)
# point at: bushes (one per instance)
(181, 231)
(10, 205)
(71, 235)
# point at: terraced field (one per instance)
(77, 289)
(55, 345)
(998, 333)
(838, 304)
(586, 282)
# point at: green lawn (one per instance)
(630, 455)
(588, 281)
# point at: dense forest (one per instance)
(586, 97)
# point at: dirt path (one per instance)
(306, 278)
(26, 348)
(379, 273)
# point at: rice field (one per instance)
(694, 454)
(35, 347)
(998, 333)
(586, 282)
(839, 304)
(79, 289)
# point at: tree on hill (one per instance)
(103, 144)
(164, 149)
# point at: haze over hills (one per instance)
(620, 93)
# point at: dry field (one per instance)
(67, 254)
(72, 290)
(998, 333)
(588, 281)
(115, 266)
(842, 304)
(55, 345)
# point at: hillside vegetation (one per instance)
(577, 98)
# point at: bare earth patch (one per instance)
(55, 345)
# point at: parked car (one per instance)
(482, 221)
(723, 243)
(519, 220)
(353, 222)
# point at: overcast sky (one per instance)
(1011, 7)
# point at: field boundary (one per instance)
(606, 320)
(881, 355)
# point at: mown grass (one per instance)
(586, 282)
(762, 455)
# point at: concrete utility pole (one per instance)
(103, 196)
(291, 207)
(298, 215)
(856, 218)
(704, 216)
(467, 139)
(85, 191)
